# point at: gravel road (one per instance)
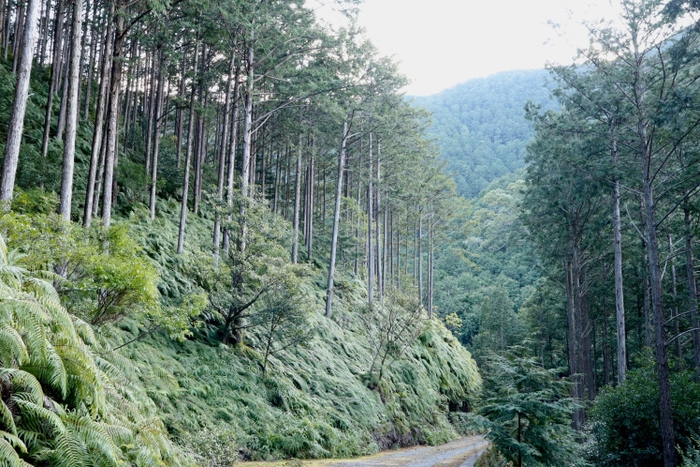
(461, 453)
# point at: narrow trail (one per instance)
(463, 452)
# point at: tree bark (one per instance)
(71, 112)
(113, 121)
(55, 70)
(19, 104)
(97, 135)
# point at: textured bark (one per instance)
(91, 61)
(420, 257)
(19, 104)
(113, 121)
(310, 210)
(62, 110)
(97, 135)
(55, 71)
(71, 112)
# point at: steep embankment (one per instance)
(318, 399)
(325, 395)
(481, 128)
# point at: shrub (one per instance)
(625, 423)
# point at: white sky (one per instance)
(440, 43)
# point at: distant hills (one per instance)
(480, 125)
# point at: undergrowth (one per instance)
(315, 401)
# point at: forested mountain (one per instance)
(481, 128)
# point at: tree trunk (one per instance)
(666, 418)
(370, 216)
(156, 133)
(113, 121)
(151, 112)
(61, 124)
(223, 153)
(247, 143)
(19, 104)
(617, 247)
(674, 292)
(336, 220)
(692, 289)
(420, 257)
(232, 157)
(55, 70)
(188, 156)
(378, 216)
(572, 343)
(91, 61)
(310, 208)
(71, 113)
(297, 196)
(97, 135)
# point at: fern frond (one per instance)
(23, 383)
(12, 348)
(38, 418)
(6, 418)
(8, 455)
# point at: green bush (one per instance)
(625, 419)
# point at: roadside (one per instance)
(460, 453)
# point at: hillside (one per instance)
(170, 303)
(480, 125)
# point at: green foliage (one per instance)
(62, 401)
(492, 458)
(527, 411)
(481, 128)
(691, 457)
(625, 419)
(499, 325)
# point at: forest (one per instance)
(584, 261)
(226, 234)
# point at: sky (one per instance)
(441, 43)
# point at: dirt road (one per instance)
(460, 453)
